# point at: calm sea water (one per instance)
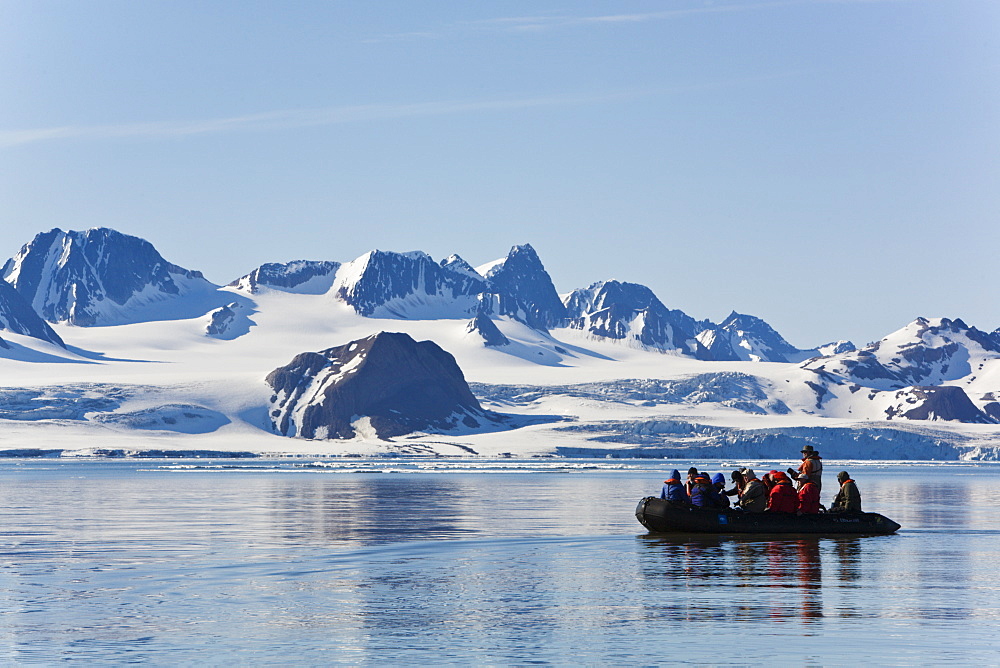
(506, 562)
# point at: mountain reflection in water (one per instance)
(370, 510)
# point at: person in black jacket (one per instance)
(738, 484)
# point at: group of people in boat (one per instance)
(791, 491)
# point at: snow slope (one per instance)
(102, 277)
(190, 378)
(575, 389)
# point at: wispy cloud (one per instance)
(545, 22)
(291, 119)
(663, 15)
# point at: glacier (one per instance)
(153, 357)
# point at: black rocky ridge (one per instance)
(739, 336)
(288, 276)
(383, 281)
(629, 311)
(946, 402)
(936, 350)
(401, 386)
(65, 275)
(488, 330)
(16, 315)
(912, 373)
(519, 287)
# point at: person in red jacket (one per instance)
(782, 498)
(809, 498)
(768, 480)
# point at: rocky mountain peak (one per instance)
(522, 289)
(387, 384)
(630, 312)
(94, 277)
(947, 402)
(386, 284)
(457, 264)
(749, 338)
(300, 276)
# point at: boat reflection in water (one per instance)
(753, 578)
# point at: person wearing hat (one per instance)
(673, 491)
(719, 482)
(848, 499)
(738, 483)
(703, 493)
(782, 498)
(754, 496)
(809, 498)
(689, 483)
(811, 468)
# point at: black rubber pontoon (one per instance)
(657, 516)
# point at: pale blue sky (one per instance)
(830, 166)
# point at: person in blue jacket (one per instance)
(703, 493)
(719, 481)
(674, 492)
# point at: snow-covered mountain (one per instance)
(16, 315)
(386, 384)
(95, 277)
(932, 369)
(382, 284)
(748, 338)
(582, 377)
(925, 352)
(632, 313)
(301, 276)
(520, 287)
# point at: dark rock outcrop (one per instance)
(228, 322)
(16, 315)
(519, 287)
(938, 349)
(749, 338)
(836, 348)
(631, 312)
(862, 367)
(389, 381)
(488, 330)
(924, 353)
(457, 264)
(85, 278)
(947, 402)
(409, 285)
(306, 276)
